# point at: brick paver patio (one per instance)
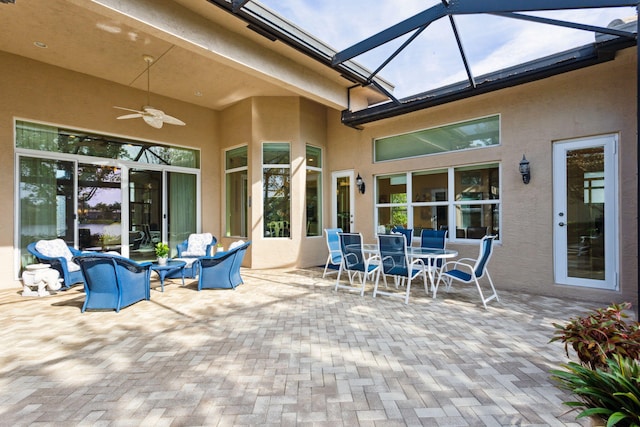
(282, 349)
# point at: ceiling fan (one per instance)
(152, 116)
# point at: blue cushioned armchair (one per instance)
(222, 271)
(197, 245)
(113, 282)
(59, 255)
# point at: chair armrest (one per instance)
(181, 247)
(457, 264)
(417, 261)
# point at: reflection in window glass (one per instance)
(46, 192)
(430, 200)
(40, 137)
(392, 196)
(479, 133)
(473, 185)
(465, 201)
(276, 190)
(99, 208)
(236, 192)
(313, 190)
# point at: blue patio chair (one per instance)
(469, 270)
(222, 270)
(197, 245)
(113, 281)
(60, 256)
(395, 262)
(333, 244)
(407, 232)
(436, 239)
(354, 262)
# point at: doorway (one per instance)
(342, 204)
(585, 199)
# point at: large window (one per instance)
(276, 179)
(102, 193)
(478, 133)
(465, 201)
(35, 136)
(313, 190)
(236, 166)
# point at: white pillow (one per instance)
(54, 248)
(197, 244)
(236, 244)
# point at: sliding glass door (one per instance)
(46, 193)
(182, 206)
(145, 213)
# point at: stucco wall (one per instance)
(592, 101)
(34, 91)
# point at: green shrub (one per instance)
(612, 393)
(599, 335)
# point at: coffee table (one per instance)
(164, 269)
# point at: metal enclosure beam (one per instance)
(466, 7)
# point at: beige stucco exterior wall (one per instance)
(34, 91)
(298, 122)
(593, 101)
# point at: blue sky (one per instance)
(432, 60)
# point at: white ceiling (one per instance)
(87, 37)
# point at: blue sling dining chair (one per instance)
(395, 261)
(469, 270)
(407, 232)
(354, 262)
(436, 239)
(333, 244)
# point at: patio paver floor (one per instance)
(283, 349)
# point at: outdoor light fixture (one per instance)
(360, 184)
(525, 170)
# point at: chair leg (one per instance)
(406, 297)
(326, 266)
(338, 278)
(375, 286)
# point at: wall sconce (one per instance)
(360, 184)
(525, 170)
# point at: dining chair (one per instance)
(395, 261)
(436, 239)
(469, 270)
(335, 255)
(407, 232)
(476, 232)
(354, 262)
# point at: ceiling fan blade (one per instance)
(172, 120)
(129, 116)
(129, 109)
(152, 120)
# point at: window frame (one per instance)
(286, 226)
(451, 202)
(227, 174)
(376, 141)
(319, 202)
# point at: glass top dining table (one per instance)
(429, 255)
